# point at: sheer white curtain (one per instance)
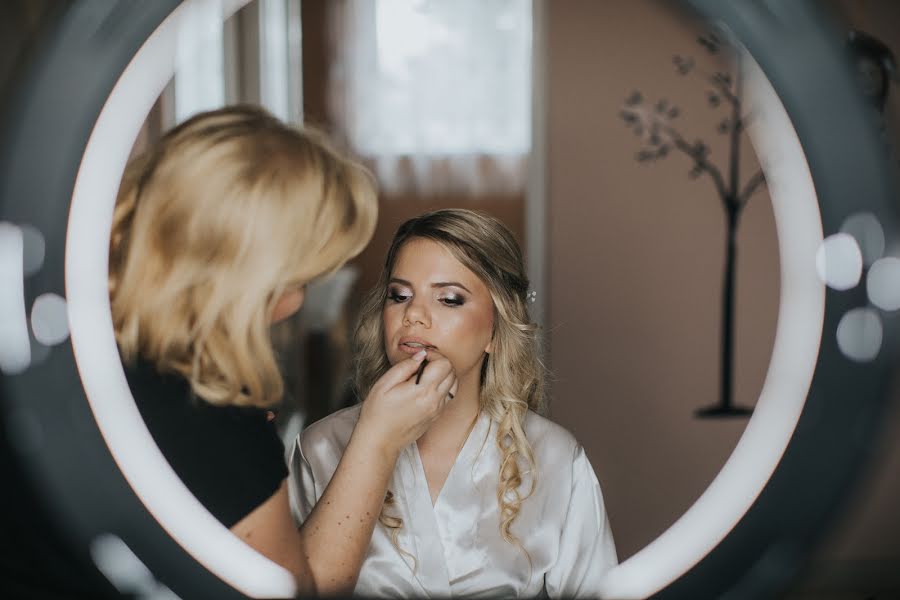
(435, 93)
(199, 60)
(254, 58)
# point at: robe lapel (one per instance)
(400, 486)
(422, 530)
(444, 538)
(464, 502)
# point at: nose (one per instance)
(417, 313)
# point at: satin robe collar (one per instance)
(443, 538)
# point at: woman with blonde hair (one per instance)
(217, 229)
(492, 499)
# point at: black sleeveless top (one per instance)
(230, 457)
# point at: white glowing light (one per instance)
(93, 340)
(49, 319)
(859, 334)
(120, 565)
(39, 352)
(839, 262)
(15, 349)
(867, 231)
(883, 283)
(33, 248)
(797, 338)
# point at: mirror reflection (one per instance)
(656, 298)
(466, 150)
(391, 105)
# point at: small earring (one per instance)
(531, 296)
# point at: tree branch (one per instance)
(700, 160)
(752, 184)
(720, 86)
(734, 164)
(725, 91)
(748, 118)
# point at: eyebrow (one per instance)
(437, 284)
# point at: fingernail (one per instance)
(420, 355)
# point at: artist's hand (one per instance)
(398, 410)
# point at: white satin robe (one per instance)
(456, 542)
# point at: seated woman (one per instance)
(493, 499)
(216, 231)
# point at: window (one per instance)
(253, 56)
(425, 81)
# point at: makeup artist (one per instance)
(216, 231)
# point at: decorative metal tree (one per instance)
(654, 124)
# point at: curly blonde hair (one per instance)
(211, 226)
(512, 376)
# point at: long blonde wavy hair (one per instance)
(512, 376)
(212, 225)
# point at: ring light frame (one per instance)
(54, 130)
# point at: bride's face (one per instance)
(434, 301)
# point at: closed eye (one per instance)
(453, 300)
(396, 297)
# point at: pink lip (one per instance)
(401, 345)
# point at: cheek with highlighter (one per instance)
(467, 336)
(458, 329)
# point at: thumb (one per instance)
(403, 370)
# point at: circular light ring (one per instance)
(84, 45)
(100, 44)
(850, 174)
(797, 338)
(93, 338)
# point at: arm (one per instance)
(396, 412)
(586, 548)
(337, 532)
(269, 529)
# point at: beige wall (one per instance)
(635, 258)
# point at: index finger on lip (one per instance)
(434, 356)
(437, 370)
